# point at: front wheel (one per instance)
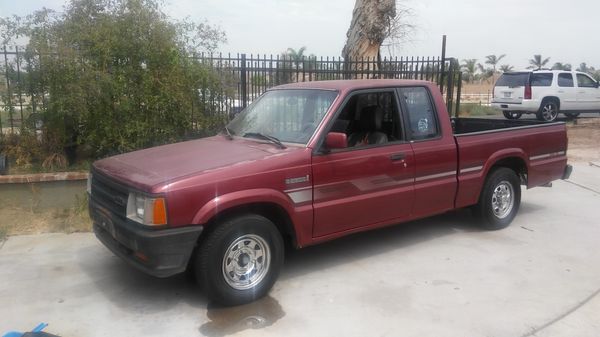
(548, 111)
(512, 114)
(500, 199)
(239, 261)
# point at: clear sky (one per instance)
(566, 31)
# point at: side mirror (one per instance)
(336, 140)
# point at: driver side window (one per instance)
(369, 119)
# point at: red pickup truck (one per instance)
(308, 163)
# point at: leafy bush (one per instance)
(117, 75)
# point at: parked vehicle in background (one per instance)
(546, 93)
(307, 163)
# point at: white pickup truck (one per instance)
(546, 93)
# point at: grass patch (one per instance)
(19, 220)
(474, 109)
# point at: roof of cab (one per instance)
(349, 85)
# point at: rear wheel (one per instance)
(500, 199)
(240, 260)
(512, 114)
(548, 111)
(572, 114)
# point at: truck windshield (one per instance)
(290, 115)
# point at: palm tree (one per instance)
(469, 68)
(485, 72)
(493, 60)
(537, 62)
(506, 68)
(296, 56)
(562, 66)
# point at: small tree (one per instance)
(537, 62)
(561, 66)
(119, 75)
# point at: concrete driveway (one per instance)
(437, 277)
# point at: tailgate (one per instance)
(510, 88)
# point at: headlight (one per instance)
(145, 210)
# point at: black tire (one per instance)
(512, 114)
(230, 240)
(549, 110)
(572, 115)
(491, 214)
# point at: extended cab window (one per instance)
(542, 80)
(421, 115)
(584, 81)
(565, 80)
(369, 119)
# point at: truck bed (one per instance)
(461, 126)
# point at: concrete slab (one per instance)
(436, 277)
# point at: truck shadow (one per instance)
(140, 294)
(363, 245)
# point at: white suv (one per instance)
(546, 93)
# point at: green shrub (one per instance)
(474, 109)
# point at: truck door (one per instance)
(435, 153)
(588, 93)
(370, 181)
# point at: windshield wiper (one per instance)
(228, 133)
(272, 139)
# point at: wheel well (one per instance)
(516, 164)
(552, 98)
(271, 211)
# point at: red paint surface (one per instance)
(347, 191)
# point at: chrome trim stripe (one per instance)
(434, 176)
(471, 169)
(302, 196)
(547, 155)
(298, 189)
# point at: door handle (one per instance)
(397, 156)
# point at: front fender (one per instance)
(240, 198)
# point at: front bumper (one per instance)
(158, 252)
(526, 106)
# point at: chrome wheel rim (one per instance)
(503, 199)
(246, 262)
(549, 112)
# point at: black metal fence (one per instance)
(247, 77)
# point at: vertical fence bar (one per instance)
(443, 65)
(243, 81)
(20, 84)
(8, 92)
(458, 93)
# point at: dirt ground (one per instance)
(20, 221)
(584, 140)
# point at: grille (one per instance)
(110, 194)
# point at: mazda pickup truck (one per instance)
(307, 163)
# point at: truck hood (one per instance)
(147, 168)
